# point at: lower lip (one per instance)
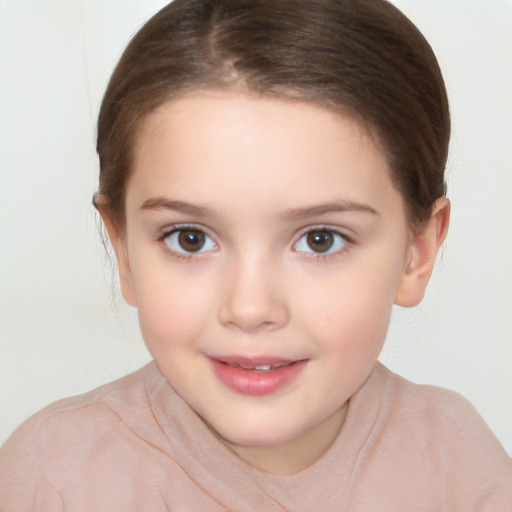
(254, 382)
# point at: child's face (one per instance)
(263, 232)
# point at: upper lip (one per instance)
(253, 361)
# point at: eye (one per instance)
(321, 241)
(189, 240)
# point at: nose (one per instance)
(253, 298)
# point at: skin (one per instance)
(254, 174)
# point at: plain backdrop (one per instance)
(63, 328)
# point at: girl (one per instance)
(272, 183)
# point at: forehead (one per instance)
(215, 144)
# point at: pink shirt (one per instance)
(134, 445)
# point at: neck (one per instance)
(298, 453)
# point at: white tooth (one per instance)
(264, 367)
(282, 365)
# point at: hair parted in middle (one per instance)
(362, 58)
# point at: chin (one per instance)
(256, 434)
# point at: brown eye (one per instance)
(320, 241)
(189, 240)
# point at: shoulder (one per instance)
(437, 412)
(65, 433)
(102, 407)
(448, 439)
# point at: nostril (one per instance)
(252, 320)
(253, 300)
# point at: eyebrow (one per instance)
(333, 207)
(161, 203)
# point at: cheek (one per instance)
(172, 310)
(352, 310)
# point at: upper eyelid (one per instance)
(200, 227)
(344, 232)
(172, 228)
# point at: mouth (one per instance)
(259, 364)
(256, 376)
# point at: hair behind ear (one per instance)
(118, 242)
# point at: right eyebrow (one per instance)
(162, 203)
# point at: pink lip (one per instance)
(251, 361)
(255, 382)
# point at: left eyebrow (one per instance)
(320, 209)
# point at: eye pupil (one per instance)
(191, 240)
(320, 241)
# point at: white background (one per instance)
(62, 331)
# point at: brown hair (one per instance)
(363, 57)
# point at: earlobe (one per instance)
(119, 245)
(422, 253)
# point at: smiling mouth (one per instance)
(259, 367)
(256, 377)
(262, 364)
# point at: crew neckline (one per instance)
(211, 463)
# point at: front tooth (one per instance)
(264, 367)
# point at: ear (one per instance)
(421, 256)
(118, 241)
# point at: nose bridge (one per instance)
(254, 297)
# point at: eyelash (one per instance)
(328, 256)
(317, 256)
(166, 233)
